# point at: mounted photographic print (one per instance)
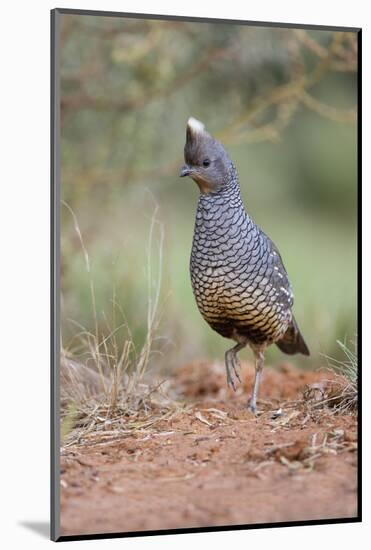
(204, 281)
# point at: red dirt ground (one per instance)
(213, 463)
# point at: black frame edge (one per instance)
(195, 19)
(54, 278)
(131, 534)
(359, 267)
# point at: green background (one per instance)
(282, 101)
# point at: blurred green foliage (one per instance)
(281, 100)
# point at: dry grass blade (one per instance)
(202, 419)
(343, 395)
(103, 372)
(340, 391)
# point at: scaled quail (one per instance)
(240, 284)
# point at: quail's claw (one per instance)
(236, 367)
(230, 381)
(251, 406)
(232, 365)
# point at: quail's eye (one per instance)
(206, 162)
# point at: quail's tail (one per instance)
(292, 341)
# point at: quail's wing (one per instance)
(279, 277)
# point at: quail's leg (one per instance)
(232, 365)
(259, 363)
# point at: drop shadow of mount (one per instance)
(42, 528)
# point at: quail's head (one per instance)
(207, 162)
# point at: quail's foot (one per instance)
(232, 367)
(251, 406)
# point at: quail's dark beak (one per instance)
(185, 171)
